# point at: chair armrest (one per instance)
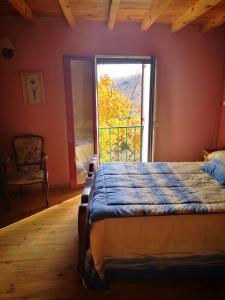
(44, 157)
(4, 162)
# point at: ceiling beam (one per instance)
(24, 10)
(155, 10)
(214, 22)
(115, 4)
(193, 12)
(68, 14)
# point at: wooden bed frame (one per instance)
(83, 215)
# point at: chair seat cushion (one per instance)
(26, 178)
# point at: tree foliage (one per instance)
(117, 141)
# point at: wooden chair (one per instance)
(30, 161)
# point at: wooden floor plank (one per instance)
(38, 259)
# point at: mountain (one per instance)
(130, 86)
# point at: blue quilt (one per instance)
(143, 189)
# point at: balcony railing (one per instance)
(120, 143)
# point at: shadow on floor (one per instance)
(31, 202)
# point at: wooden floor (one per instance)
(30, 202)
(38, 257)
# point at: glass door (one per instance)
(80, 125)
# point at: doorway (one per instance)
(123, 109)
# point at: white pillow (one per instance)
(220, 154)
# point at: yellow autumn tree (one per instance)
(119, 139)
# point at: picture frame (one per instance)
(33, 87)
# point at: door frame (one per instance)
(69, 104)
(152, 110)
(70, 116)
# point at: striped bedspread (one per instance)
(143, 189)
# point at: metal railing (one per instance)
(120, 143)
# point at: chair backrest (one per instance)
(28, 149)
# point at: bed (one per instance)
(148, 217)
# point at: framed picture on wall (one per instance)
(33, 87)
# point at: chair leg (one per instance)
(45, 187)
(6, 194)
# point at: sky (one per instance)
(118, 70)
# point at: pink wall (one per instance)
(221, 132)
(190, 82)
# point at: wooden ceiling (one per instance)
(208, 14)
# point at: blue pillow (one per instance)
(216, 169)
